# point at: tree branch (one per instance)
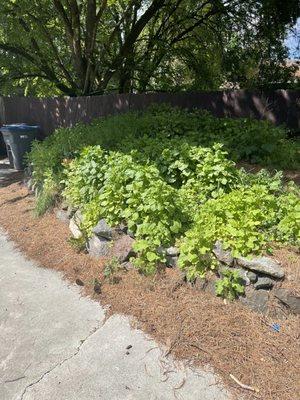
(155, 6)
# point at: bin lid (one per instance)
(19, 127)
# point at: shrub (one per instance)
(84, 176)
(244, 139)
(230, 286)
(240, 219)
(118, 188)
(214, 176)
(245, 220)
(272, 183)
(166, 173)
(288, 228)
(251, 140)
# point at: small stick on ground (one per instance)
(246, 387)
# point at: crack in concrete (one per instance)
(61, 362)
(15, 380)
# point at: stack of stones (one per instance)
(105, 241)
(260, 275)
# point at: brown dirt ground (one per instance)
(194, 326)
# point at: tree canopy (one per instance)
(87, 47)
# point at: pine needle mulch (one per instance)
(192, 325)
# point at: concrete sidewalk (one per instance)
(57, 345)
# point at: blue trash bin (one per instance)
(18, 139)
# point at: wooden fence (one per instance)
(279, 107)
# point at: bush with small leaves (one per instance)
(230, 286)
(169, 175)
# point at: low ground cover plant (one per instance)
(170, 176)
(230, 286)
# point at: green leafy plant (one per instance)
(79, 244)
(273, 183)
(84, 176)
(167, 174)
(244, 139)
(111, 267)
(288, 228)
(230, 286)
(47, 195)
(241, 219)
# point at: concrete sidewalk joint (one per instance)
(57, 345)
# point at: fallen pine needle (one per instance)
(177, 388)
(253, 389)
(180, 386)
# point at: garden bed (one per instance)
(171, 220)
(195, 326)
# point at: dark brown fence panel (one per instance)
(279, 107)
(51, 113)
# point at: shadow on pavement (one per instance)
(8, 175)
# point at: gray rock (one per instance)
(263, 282)
(264, 265)
(200, 283)
(252, 276)
(127, 265)
(244, 276)
(256, 300)
(29, 183)
(172, 261)
(62, 216)
(210, 287)
(121, 229)
(288, 299)
(222, 255)
(103, 230)
(75, 223)
(122, 248)
(172, 251)
(99, 247)
(207, 284)
(71, 211)
(161, 250)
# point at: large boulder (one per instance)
(289, 299)
(222, 255)
(172, 251)
(99, 247)
(171, 261)
(264, 265)
(264, 282)
(75, 224)
(62, 215)
(256, 300)
(122, 248)
(102, 229)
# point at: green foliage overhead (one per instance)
(92, 47)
